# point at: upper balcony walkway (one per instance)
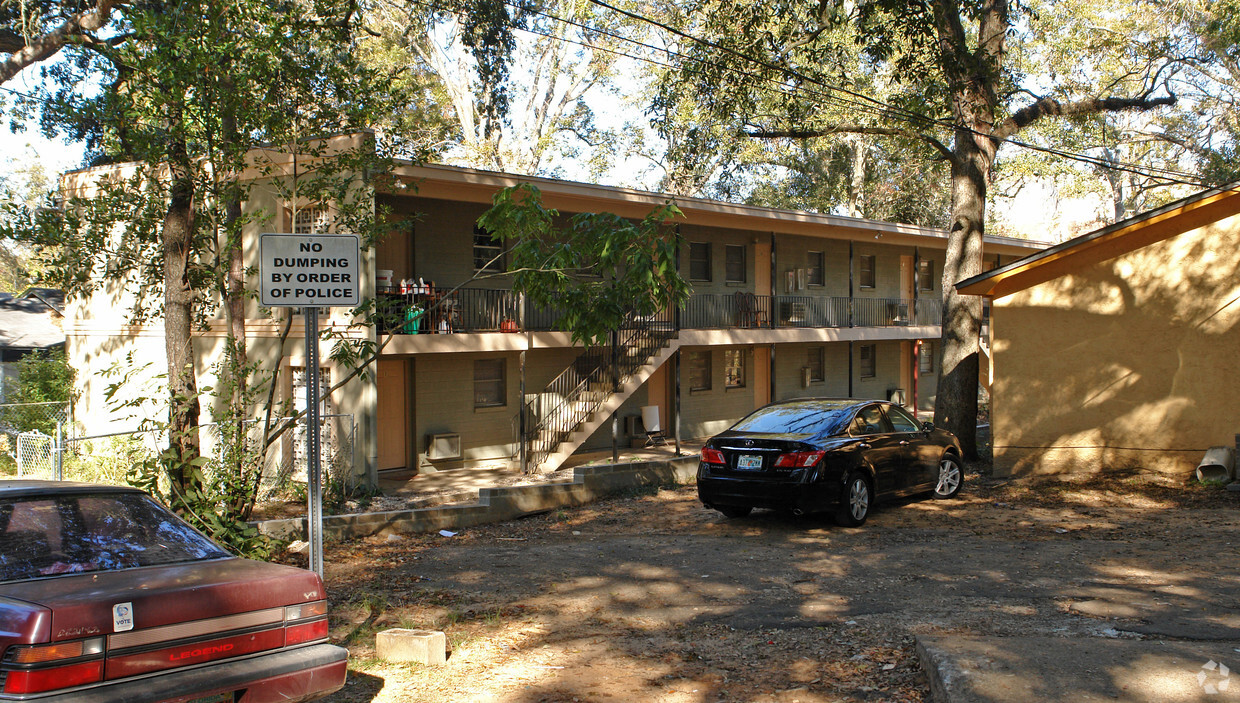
(476, 310)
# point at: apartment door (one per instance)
(392, 419)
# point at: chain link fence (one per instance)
(28, 451)
(28, 434)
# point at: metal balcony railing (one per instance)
(485, 310)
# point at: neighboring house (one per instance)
(1117, 350)
(784, 304)
(29, 322)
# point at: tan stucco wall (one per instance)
(100, 331)
(1127, 364)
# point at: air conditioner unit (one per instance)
(443, 446)
(805, 376)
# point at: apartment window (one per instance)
(815, 268)
(734, 368)
(734, 270)
(489, 254)
(699, 261)
(865, 277)
(868, 365)
(925, 275)
(490, 390)
(699, 371)
(925, 358)
(309, 220)
(816, 362)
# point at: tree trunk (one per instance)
(178, 233)
(859, 147)
(956, 402)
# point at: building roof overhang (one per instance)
(475, 185)
(1106, 243)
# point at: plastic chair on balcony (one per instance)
(749, 313)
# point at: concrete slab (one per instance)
(589, 483)
(1054, 669)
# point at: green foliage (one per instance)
(597, 271)
(42, 377)
(221, 491)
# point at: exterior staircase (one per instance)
(560, 418)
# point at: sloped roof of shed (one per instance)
(1106, 243)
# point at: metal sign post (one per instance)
(310, 271)
(314, 469)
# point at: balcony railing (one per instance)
(483, 310)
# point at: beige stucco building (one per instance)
(1117, 350)
(783, 304)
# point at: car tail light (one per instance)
(305, 632)
(712, 456)
(299, 625)
(797, 460)
(305, 611)
(53, 666)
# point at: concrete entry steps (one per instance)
(1061, 669)
(589, 483)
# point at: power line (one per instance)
(908, 115)
(871, 106)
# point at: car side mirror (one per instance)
(927, 426)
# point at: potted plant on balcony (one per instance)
(508, 325)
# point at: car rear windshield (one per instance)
(43, 536)
(807, 419)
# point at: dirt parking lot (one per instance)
(651, 597)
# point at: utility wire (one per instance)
(908, 115)
(870, 106)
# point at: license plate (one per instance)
(748, 462)
(217, 698)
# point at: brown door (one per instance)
(392, 420)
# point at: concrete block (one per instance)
(428, 647)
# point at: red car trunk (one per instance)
(164, 595)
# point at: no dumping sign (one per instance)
(308, 270)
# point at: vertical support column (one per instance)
(850, 368)
(916, 283)
(916, 372)
(676, 395)
(615, 388)
(850, 310)
(522, 430)
(314, 484)
(773, 311)
(772, 375)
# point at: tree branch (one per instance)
(1049, 107)
(47, 45)
(849, 129)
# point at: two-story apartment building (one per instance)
(784, 304)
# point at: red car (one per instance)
(106, 596)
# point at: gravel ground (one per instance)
(652, 597)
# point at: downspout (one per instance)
(916, 372)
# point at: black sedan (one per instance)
(817, 454)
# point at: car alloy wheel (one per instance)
(951, 478)
(855, 506)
